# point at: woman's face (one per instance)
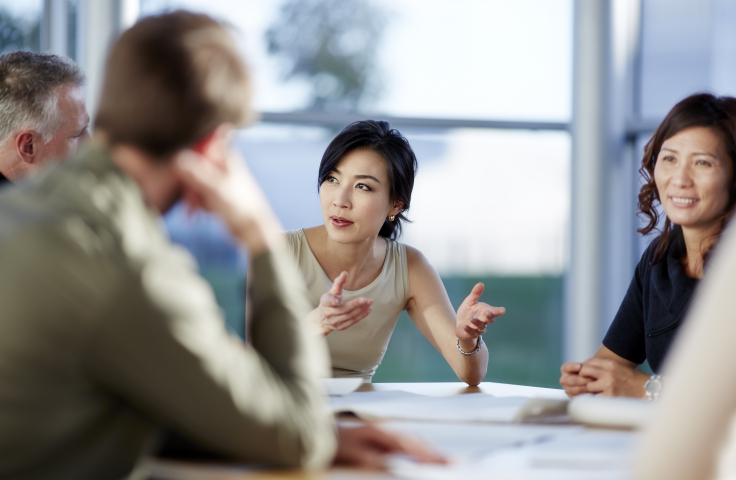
(693, 175)
(355, 197)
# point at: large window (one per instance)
(20, 25)
(489, 204)
(687, 46)
(482, 91)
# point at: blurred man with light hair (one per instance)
(42, 111)
(111, 344)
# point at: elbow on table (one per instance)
(313, 441)
(319, 450)
(290, 446)
(473, 379)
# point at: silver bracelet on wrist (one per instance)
(468, 354)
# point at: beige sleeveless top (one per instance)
(358, 350)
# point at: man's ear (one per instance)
(216, 144)
(27, 145)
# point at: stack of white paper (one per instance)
(463, 442)
(471, 407)
(578, 455)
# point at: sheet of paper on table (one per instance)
(471, 407)
(581, 454)
(462, 442)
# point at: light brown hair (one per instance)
(170, 80)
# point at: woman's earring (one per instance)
(391, 218)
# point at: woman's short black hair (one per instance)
(388, 142)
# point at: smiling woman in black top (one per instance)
(688, 169)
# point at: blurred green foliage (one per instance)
(524, 345)
(332, 44)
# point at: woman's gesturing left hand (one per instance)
(473, 316)
(331, 314)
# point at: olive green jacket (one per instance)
(108, 335)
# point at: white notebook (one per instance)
(469, 407)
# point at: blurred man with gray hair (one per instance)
(42, 111)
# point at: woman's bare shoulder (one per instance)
(413, 254)
(416, 261)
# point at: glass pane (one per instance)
(20, 25)
(676, 64)
(506, 59)
(490, 206)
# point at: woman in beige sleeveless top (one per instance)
(360, 279)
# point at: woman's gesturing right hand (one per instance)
(331, 314)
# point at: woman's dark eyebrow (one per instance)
(335, 170)
(368, 176)
(694, 153)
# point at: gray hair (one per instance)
(28, 91)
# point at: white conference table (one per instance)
(165, 470)
(457, 388)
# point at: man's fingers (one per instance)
(195, 170)
(420, 451)
(389, 442)
(337, 285)
(367, 446)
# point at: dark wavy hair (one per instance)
(699, 110)
(390, 144)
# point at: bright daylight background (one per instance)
(489, 205)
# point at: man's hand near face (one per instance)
(222, 183)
